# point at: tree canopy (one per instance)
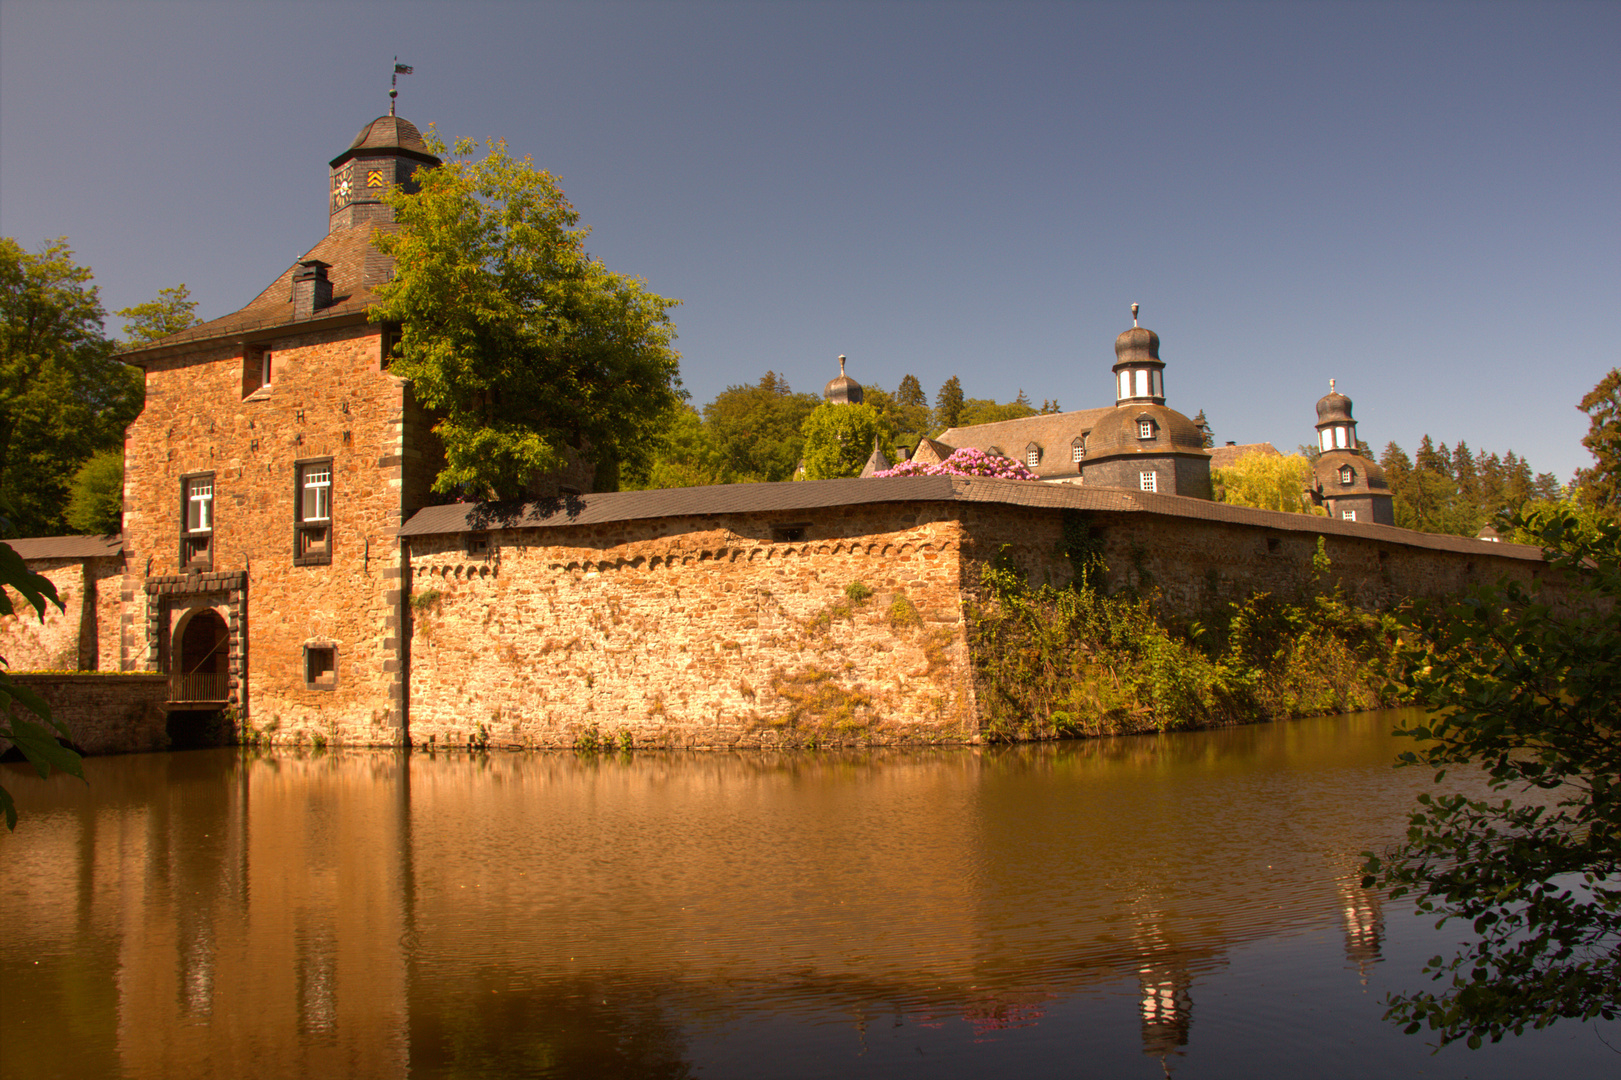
(1528, 694)
(173, 311)
(948, 405)
(63, 394)
(840, 438)
(1267, 482)
(530, 350)
(1600, 485)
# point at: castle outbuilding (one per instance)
(1347, 484)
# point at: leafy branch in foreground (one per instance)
(37, 740)
(1528, 693)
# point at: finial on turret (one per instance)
(1331, 386)
(394, 82)
(841, 363)
(1134, 314)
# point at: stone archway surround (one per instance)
(226, 591)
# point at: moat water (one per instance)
(1182, 904)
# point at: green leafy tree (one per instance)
(988, 411)
(63, 394)
(40, 740)
(529, 349)
(1600, 485)
(173, 311)
(755, 429)
(1528, 694)
(839, 439)
(96, 499)
(685, 456)
(948, 405)
(1267, 482)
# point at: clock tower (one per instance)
(388, 151)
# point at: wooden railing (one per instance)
(201, 686)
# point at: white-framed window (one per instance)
(1149, 481)
(1032, 455)
(200, 504)
(1077, 451)
(196, 519)
(1348, 515)
(312, 512)
(1145, 428)
(1346, 474)
(317, 483)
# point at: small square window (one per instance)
(1348, 515)
(1149, 481)
(320, 667)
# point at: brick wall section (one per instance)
(106, 713)
(330, 397)
(703, 632)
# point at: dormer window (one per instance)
(1032, 455)
(1077, 449)
(1145, 428)
(1346, 474)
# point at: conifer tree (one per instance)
(948, 404)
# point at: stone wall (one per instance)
(330, 397)
(1195, 563)
(729, 630)
(106, 713)
(721, 631)
(83, 636)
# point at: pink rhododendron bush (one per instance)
(965, 462)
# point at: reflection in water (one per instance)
(369, 914)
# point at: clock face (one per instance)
(342, 186)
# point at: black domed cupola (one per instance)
(1139, 373)
(1335, 428)
(842, 390)
(385, 153)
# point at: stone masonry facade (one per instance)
(331, 400)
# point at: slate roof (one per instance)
(67, 547)
(796, 497)
(356, 268)
(1053, 432)
(1222, 457)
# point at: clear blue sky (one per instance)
(1422, 201)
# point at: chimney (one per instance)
(312, 289)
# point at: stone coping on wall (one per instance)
(610, 507)
(67, 547)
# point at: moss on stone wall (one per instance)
(1055, 663)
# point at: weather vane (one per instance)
(394, 82)
(1134, 314)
